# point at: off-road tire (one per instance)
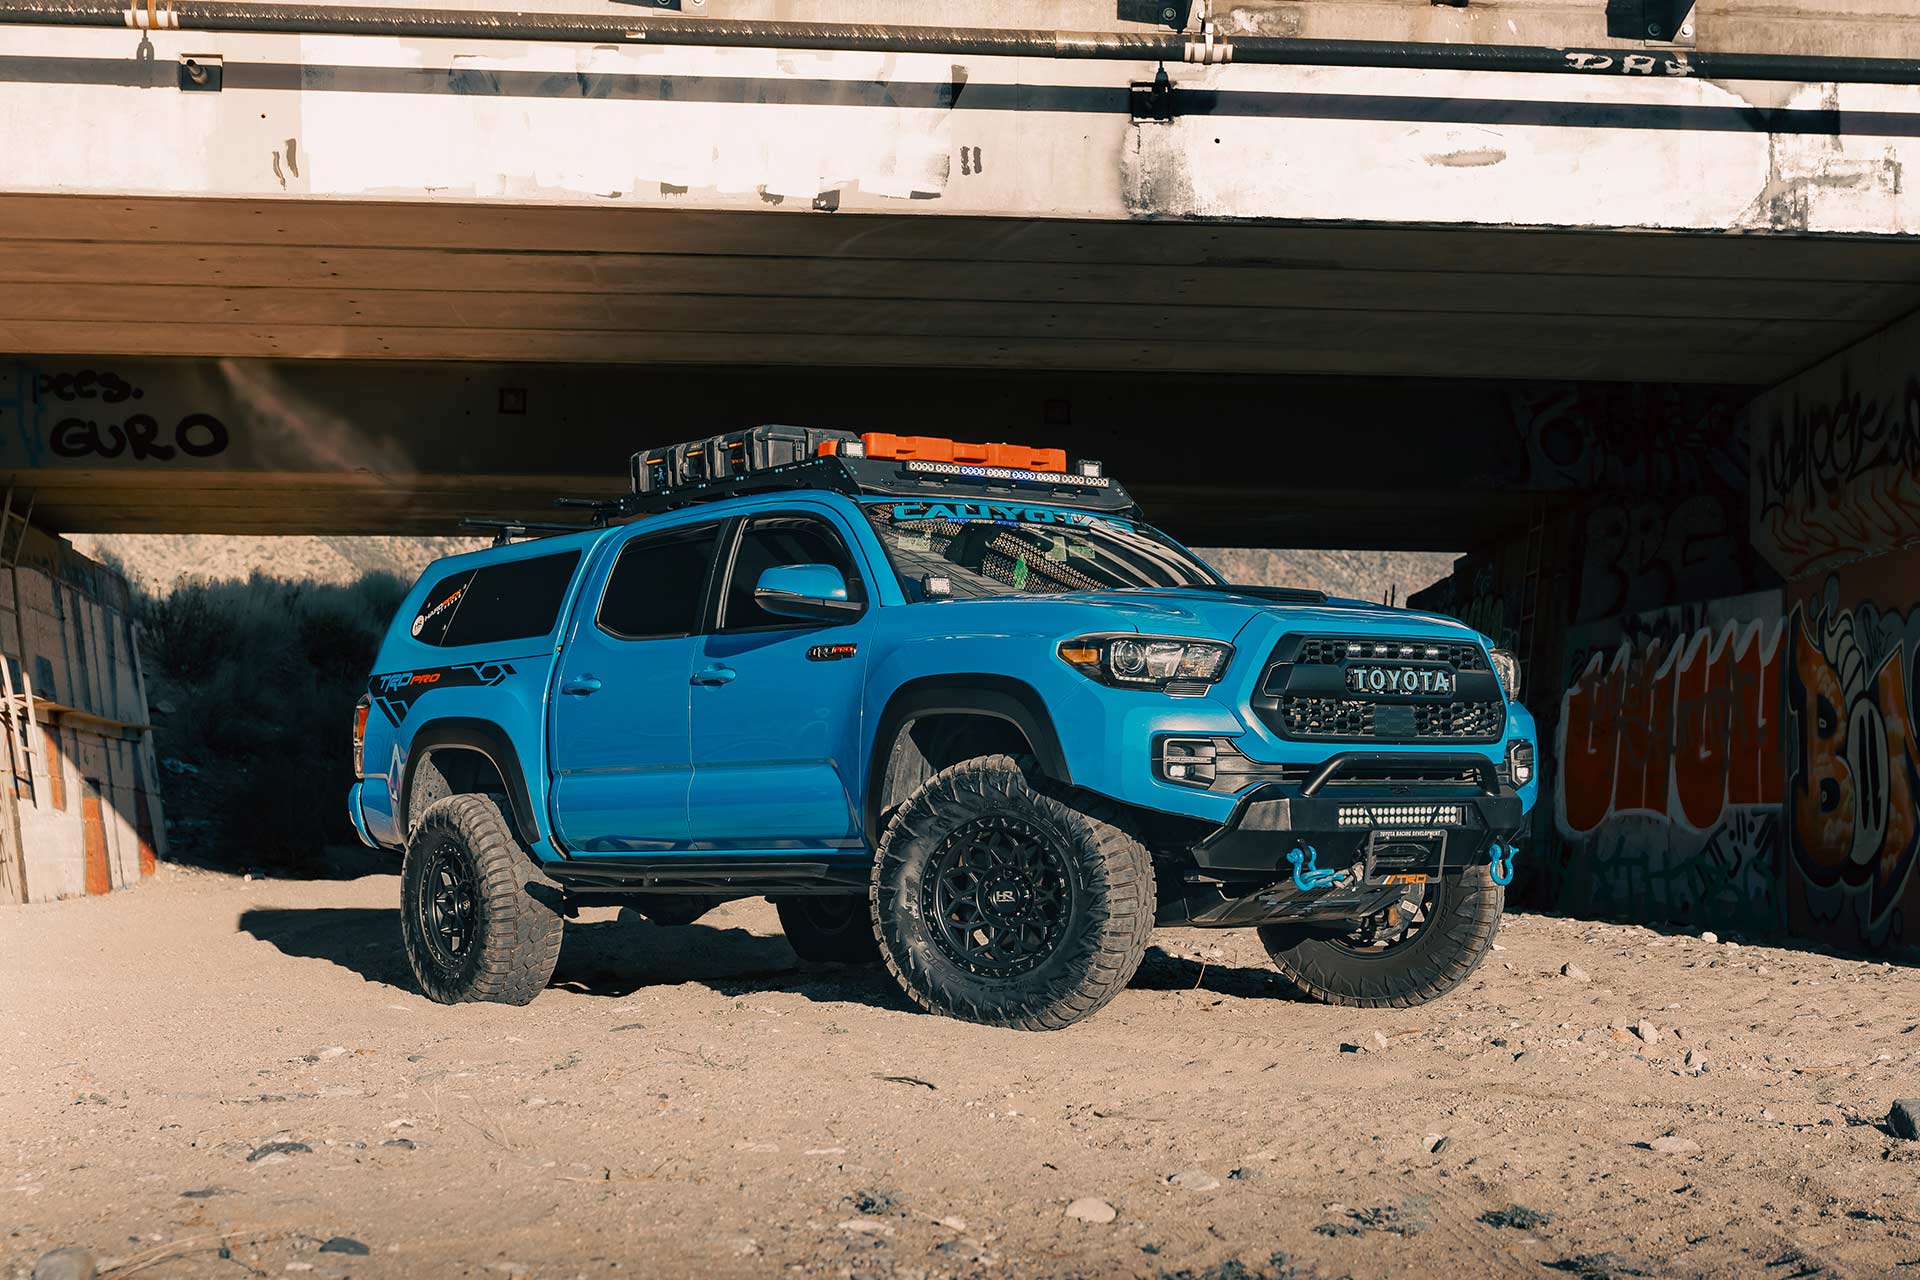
(1108, 879)
(833, 929)
(515, 923)
(1444, 954)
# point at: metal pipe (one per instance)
(1205, 46)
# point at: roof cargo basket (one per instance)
(777, 457)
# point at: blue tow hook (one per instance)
(1500, 862)
(1310, 878)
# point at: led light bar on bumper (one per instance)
(1387, 817)
(1171, 664)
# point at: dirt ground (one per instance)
(207, 1062)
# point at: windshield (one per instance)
(1007, 548)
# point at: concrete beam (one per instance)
(114, 445)
(413, 281)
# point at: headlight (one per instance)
(1507, 667)
(1149, 662)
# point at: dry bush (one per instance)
(263, 674)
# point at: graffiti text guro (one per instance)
(198, 435)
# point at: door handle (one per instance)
(581, 686)
(714, 675)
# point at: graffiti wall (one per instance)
(1668, 791)
(1836, 457)
(1663, 471)
(1852, 760)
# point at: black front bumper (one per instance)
(1342, 817)
(1378, 820)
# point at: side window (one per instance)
(657, 583)
(782, 539)
(436, 611)
(514, 600)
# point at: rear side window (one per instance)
(658, 584)
(514, 600)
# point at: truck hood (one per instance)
(1223, 613)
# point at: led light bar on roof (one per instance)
(1059, 478)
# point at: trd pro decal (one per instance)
(395, 694)
(831, 652)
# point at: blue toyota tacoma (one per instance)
(953, 707)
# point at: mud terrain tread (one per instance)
(519, 935)
(1119, 922)
(1466, 929)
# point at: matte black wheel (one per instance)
(1000, 899)
(834, 929)
(1419, 950)
(477, 919)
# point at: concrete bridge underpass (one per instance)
(1637, 333)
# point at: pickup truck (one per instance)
(953, 707)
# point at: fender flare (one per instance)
(489, 740)
(999, 697)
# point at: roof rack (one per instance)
(875, 477)
(505, 531)
(775, 458)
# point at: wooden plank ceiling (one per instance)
(430, 281)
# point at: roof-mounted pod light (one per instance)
(1089, 468)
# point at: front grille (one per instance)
(1332, 650)
(1310, 717)
(1406, 774)
(1458, 720)
(1327, 717)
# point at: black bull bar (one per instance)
(1382, 838)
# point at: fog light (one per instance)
(1188, 761)
(1520, 763)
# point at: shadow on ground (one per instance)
(621, 956)
(338, 863)
(601, 958)
(1161, 971)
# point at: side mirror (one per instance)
(817, 592)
